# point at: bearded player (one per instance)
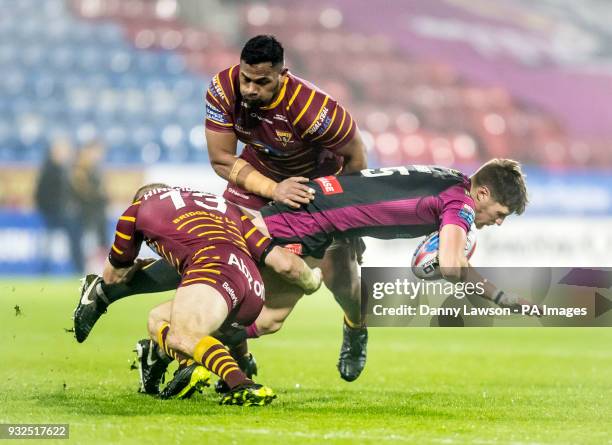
(292, 131)
(215, 249)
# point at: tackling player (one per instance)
(215, 249)
(292, 131)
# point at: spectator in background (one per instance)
(90, 192)
(55, 201)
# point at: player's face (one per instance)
(488, 210)
(259, 83)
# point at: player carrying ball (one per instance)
(215, 249)
(399, 202)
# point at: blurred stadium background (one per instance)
(450, 82)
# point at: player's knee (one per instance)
(269, 326)
(343, 286)
(273, 327)
(152, 326)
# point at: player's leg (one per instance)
(152, 359)
(96, 296)
(281, 298)
(190, 376)
(341, 276)
(198, 312)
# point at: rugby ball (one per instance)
(425, 259)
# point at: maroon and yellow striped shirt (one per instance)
(184, 227)
(296, 135)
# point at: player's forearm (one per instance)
(244, 175)
(453, 268)
(240, 172)
(293, 269)
(467, 274)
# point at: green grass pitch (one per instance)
(440, 386)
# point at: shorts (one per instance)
(234, 274)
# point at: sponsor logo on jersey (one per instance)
(241, 129)
(467, 214)
(256, 286)
(294, 248)
(284, 137)
(215, 114)
(237, 193)
(217, 90)
(320, 120)
(329, 185)
(231, 294)
(261, 118)
(280, 117)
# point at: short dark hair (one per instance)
(147, 188)
(261, 49)
(505, 181)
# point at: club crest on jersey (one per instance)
(284, 137)
(280, 117)
(329, 185)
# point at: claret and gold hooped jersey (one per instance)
(295, 135)
(184, 227)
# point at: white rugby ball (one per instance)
(425, 259)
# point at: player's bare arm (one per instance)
(113, 275)
(294, 269)
(451, 254)
(454, 267)
(354, 153)
(222, 153)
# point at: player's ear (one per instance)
(483, 193)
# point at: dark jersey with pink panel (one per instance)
(208, 240)
(387, 203)
(296, 135)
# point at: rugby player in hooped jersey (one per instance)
(292, 131)
(215, 249)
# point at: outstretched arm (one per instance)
(455, 267)
(294, 269)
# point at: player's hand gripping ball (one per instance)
(425, 263)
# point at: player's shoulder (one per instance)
(305, 101)
(301, 90)
(460, 191)
(223, 84)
